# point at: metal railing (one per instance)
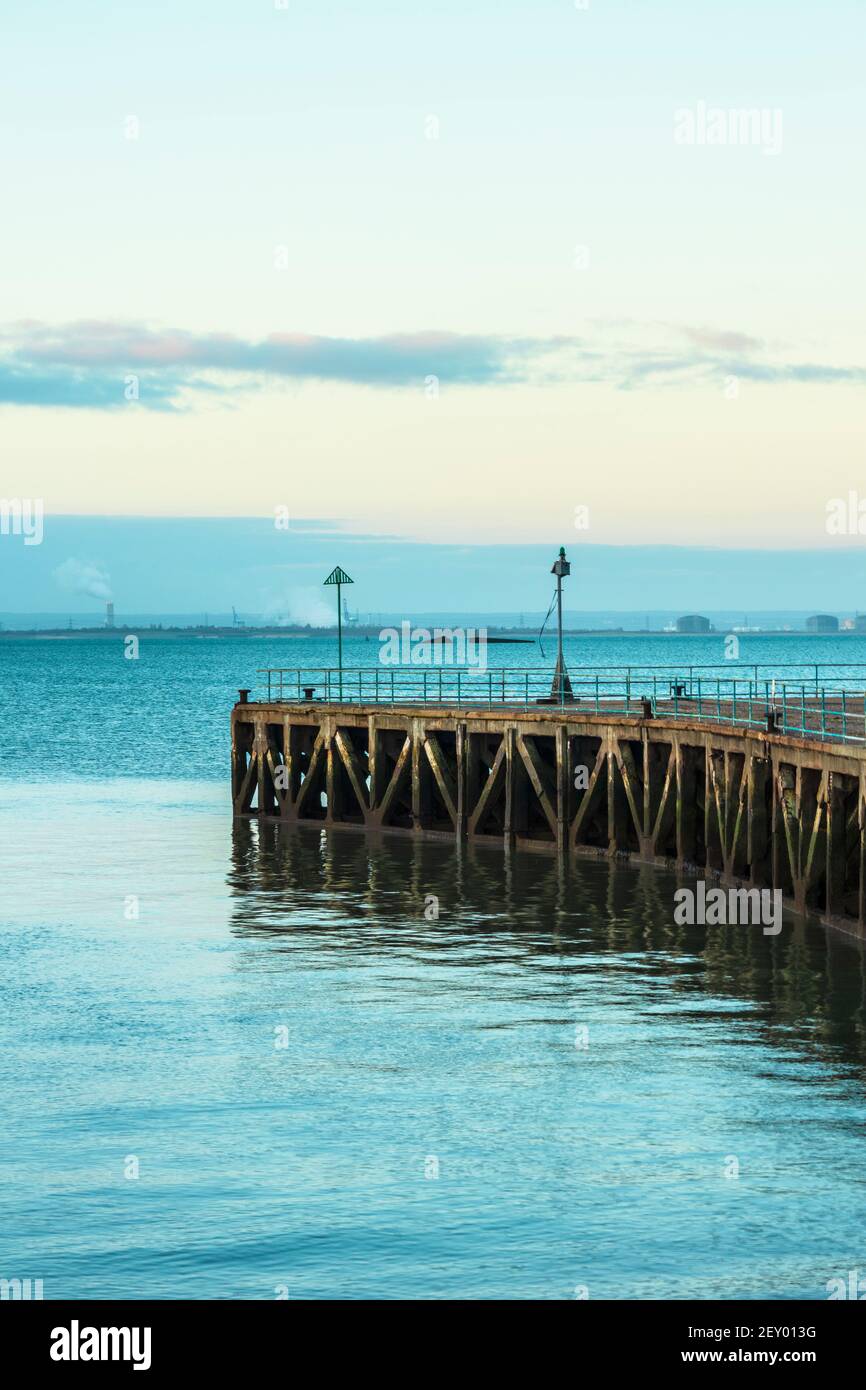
(801, 708)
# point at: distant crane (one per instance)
(236, 621)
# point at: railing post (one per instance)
(803, 709)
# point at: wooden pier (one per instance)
(735, 804)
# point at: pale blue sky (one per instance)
(150, 565)
(303, 134)
(305, 127)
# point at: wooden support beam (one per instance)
(563, 782)
(665, 817)
(244, 798)
(515, 789)
(591, 798)
(441, 772)
(815, 865)
(262, 801)
(313, 773)
(715, 802)
(398, 779)
(490, 791)
(277, 777)
(836, 848)
(758, 829)
(290, 759)
(333, 783)
(686, 816)
(421, 802)
(632, 784)
(375, 763)
(354, 770)
(543, 782)
(617, 802)
(735, 861)
(787, 834)
(462, 750)
(242, 748)
(472, 773)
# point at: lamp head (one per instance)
(561, 567)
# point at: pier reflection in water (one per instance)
(806, 986)
(610, 1102)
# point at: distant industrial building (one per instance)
(860, 622)
(822, 622)
(693, 622)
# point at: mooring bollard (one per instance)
(647, 706)
(243, 697)
(773, 721)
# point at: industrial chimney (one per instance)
(109, 614)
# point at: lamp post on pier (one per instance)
(561, 684)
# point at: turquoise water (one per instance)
(94, 713)
(328, 1095)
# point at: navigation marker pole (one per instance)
(339, 577)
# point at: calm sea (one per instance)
(241, 1063)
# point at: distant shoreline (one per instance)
(173, 634)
